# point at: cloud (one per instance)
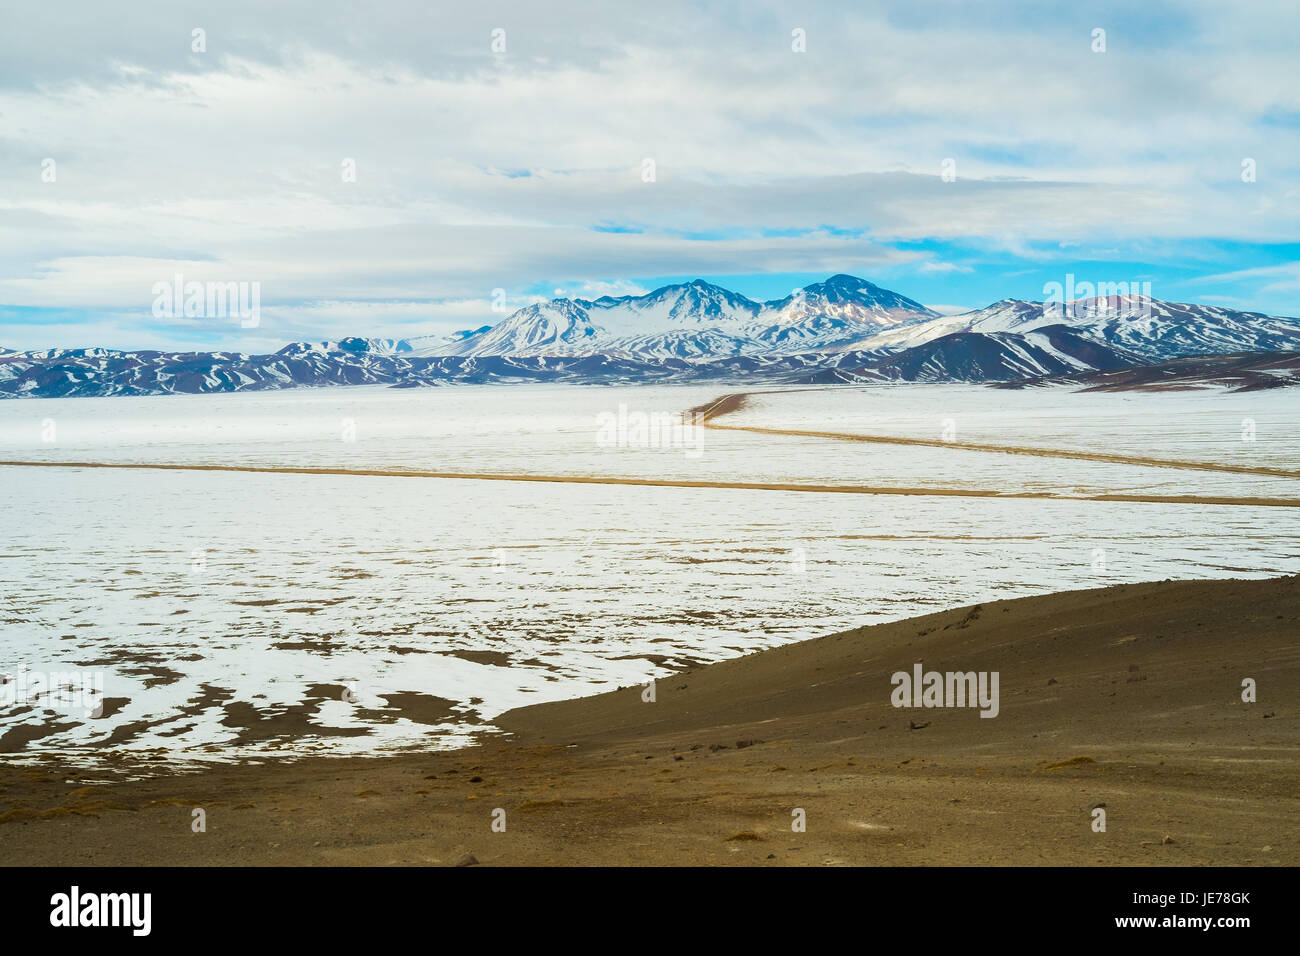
(595, 290)
(524, 170)
(1278, 278)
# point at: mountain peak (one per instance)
(843, 292)
(842, 280)
(698, 319)
(694, 287)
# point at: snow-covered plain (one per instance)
(243, 615)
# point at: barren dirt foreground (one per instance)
(1126, 700)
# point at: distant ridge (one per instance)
(692, 320)
(844, 329)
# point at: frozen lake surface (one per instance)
(233, 615)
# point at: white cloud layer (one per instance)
(476, 170)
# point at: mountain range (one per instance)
(695, 320)
(845, 329)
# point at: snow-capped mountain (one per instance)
(850, 299)
(1239, 372)
(698, 320)
(353, 344)
(692, 320)
(842, 330)
(561, 326)
(1049, 351)
(694, 304)
(683, 343)
(1150, 328)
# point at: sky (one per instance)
(384, 169)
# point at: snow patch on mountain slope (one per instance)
(695, 319)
